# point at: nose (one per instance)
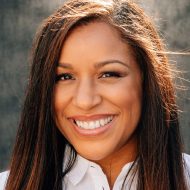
(86, 95)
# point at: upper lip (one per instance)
(90, 117)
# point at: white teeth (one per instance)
(97, 124)
(102, 121)
(94, 124)
(78, 123)
(85, 125)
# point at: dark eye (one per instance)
(64, 76)
(110, 74)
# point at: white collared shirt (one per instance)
(87, 175)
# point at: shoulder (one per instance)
(3, 179)
(186, 158)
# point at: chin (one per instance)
(93, 154)
(93, 157)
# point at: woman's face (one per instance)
(98, 91)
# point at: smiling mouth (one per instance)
(93, 124)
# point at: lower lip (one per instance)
(93, 132)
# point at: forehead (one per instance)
(94, 25)
(96, 40)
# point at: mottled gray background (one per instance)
(19, 20)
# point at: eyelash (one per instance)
(64, 77)
(108, 74)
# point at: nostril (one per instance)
(86, 101)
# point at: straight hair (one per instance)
(39, 151)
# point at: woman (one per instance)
(100, 109)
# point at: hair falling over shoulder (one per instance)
(38, 155)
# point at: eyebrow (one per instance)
(97, 65)
(103, 63)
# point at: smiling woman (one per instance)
(88, 110)
(100, 109)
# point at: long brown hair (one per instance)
(38, 154)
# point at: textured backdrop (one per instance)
(19, 20)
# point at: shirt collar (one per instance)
(78, 171)
(81, 166)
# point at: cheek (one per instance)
(61, 99)
(127, 97)
(126, 94)
(132, 92)
(132, 102)
(59, 106)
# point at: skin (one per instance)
(88, 92)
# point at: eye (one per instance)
(64, 77)
(110, 74)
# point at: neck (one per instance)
(113, 164)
